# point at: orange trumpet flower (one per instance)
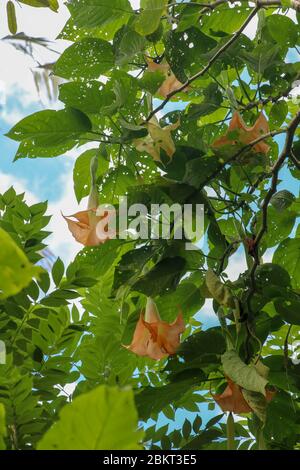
(170, 83)
(245, 134)
(154, 337)
(232, 399)
(86, 230)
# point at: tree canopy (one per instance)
(180, 103)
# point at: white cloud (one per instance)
(38, 22)
(7, 180)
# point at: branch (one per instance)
(294, 4)
(286, 152)
(209, 64)
(270, 99)
(242, 151)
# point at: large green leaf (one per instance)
(128, 45)
(51, 128)
(104, 418)
(148, 20)
(52, 4)
(287, 255)
(87, 58)
(97, 13)
(81, 173)
(222, 20)
(163, 277)
(16, 270)
(283, 30)
(244, 375)
(90, 97)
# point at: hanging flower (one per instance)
(157, 138)
(89, 228)
(85, 228)
(232, 399)
(170, 83)
(154, 337)
(245, 134)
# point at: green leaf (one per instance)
(244, 375)
(282, 199)
(185, 49)
(280, 225)
(257, 403)
(151, 81)
(16, 270)
(283, 30)
(200, 170)
(287, 255)
(148, 20)
(104, 418)
(162, 278)
(90, 96)
(288, 309)
(222, 20)
(81, 173)
(88, 58)
(186, 429)
(128, 46)
(2, 427)
(52, 4)
(209, 341)
(212, 100)
(278, 113)
(51, 128)
(58, 270)
(269, 274)
(97, 13)
(281, 422)
(203, 440)
(186, 297)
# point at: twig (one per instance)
(286, 152)
(241, 151)
(207, 66)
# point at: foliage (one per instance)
(64, 327)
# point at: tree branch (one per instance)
(286, 152)
(207, 66)
(294, 4)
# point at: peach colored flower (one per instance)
(232, 399)
(170, 83)
(154, 337)
(245, 134)
(157, 138)
(85, 228)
